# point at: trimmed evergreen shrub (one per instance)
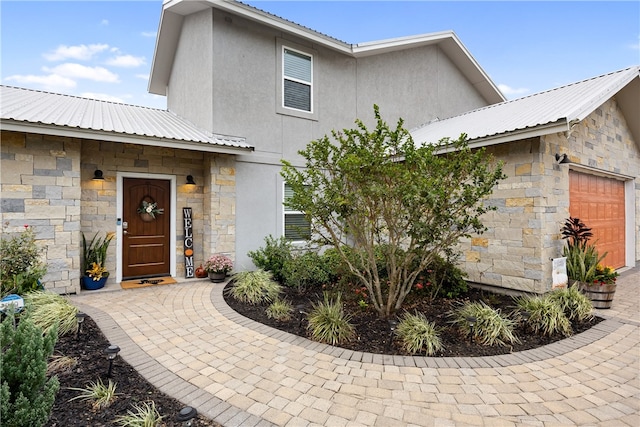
(306, 271)
(26, 394)
(272, 256)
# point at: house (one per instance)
(570, 151)
(245, 89)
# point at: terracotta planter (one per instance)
(217, 277)
(600, 295)
(91, 285)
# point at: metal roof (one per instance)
(174, 11)
(542, 113)
(25, 109)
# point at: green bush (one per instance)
(273, 256)
(21, 267)
(417, 334)
(49, 310)
(26, 394)
(545, 315)
(574, 304)
(328, 323)
(280, 310)
(306, 271)
(490, 326)
(254, 287)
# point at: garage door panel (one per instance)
(599, 203)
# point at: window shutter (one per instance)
(297, 66)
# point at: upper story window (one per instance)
(297, 71)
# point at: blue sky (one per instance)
(105, 49)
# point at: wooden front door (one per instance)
(146, 241)
(599, 203)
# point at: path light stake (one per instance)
(80, 316)
(525, 317)
(300, 308)
(112, 351)
(186, 416)
(393, 323)
(472, 321)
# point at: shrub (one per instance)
(254, 287)
(306, 271)
(273, 256)
(49, 309)
(102, 395)
(490, 326)
(143, 415)
(26, 394)
(328, 322)
(416, 334)
(21, 268)
(545, 315)
(448, 278)
(574, 304)
(280, 310)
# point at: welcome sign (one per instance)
(188, 243)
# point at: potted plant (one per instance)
(217, 267)
(95, 273)
(583, 264)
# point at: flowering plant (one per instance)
(97, 272)
(150, 208)
(605, 275)
(218, 264)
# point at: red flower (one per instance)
(26, 226)
(419, 286)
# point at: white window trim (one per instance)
(280, 108)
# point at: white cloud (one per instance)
(635, 46)
(142, 76)
(508, 90)
(71, 70)
(104, 22)
(128, 61)
(80, 52)
(51, 82)
(149, 34)
(102, 97)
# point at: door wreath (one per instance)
(149, 209)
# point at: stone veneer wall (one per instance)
(40, 183)
(220, 206)
(532, 203)
(99, 198)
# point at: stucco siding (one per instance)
(190, 84)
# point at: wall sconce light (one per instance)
(562, 158)
(112, 351)
(186, 416)
(97, 175)
(190, 180)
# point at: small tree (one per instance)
(26, 394)
(377, 189)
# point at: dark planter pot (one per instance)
(91, 285)
(217, 277)
(600, 295)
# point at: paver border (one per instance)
(550, 351)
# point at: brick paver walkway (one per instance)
(186, 341)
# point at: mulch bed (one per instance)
(132, 388)
(372, 332)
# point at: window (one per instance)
(297, 80)
(296, 226)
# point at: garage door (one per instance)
(599, 203)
